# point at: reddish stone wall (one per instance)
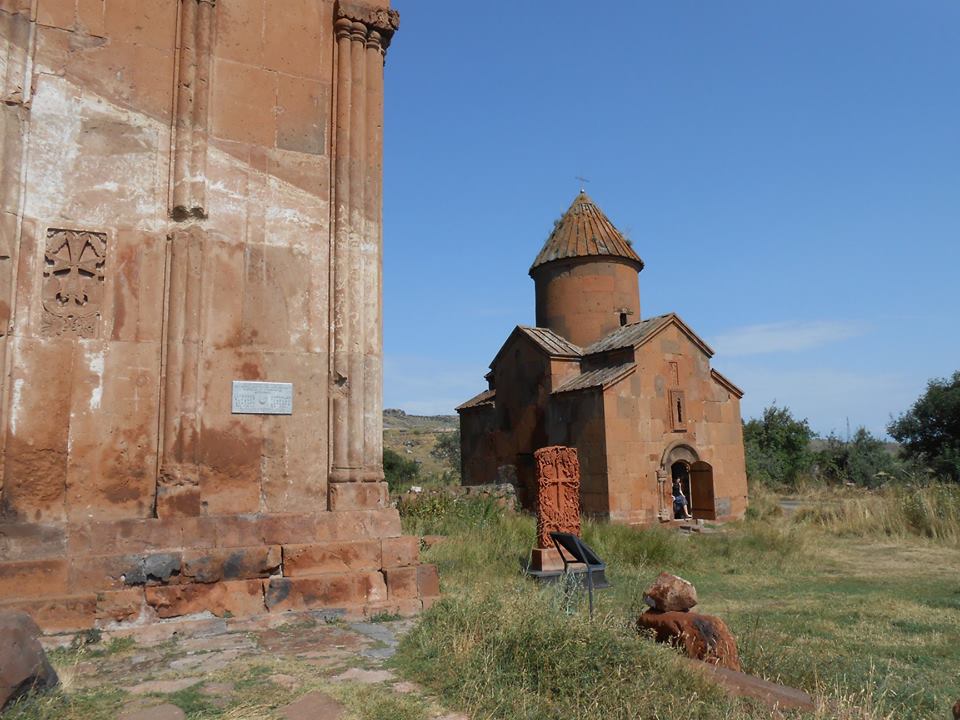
(640, 430)
(581, 300)
(169, 170)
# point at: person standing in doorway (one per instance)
(681, 508)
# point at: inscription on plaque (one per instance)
(262, 398)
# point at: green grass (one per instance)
(866, 621)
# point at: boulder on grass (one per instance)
(956, 711)
(670, 593)
(23, 663)
(701, 637)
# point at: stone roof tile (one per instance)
(599, 378)
(584, 231)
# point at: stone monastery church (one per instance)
(636, 397)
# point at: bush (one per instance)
(777, 447)
(864, 460)
(397, 470)
(447, 450)
(930, 430)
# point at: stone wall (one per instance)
(191, 195)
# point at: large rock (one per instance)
(956, 711)
(23, 663)
(702, 637)
(670, 593)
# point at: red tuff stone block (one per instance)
(335, 557)
(428, 581)
(358, 496)
(701, 637)
(32, 579)
(671, 593)
(59, 614)
(27, 541)
(120, 605)
(333, 590)
(208, 566)
(292, 529)
(401, 551)
(238, 599)
(358, 525)
(402, 582)
(558, 493)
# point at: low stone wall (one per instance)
(110, 574)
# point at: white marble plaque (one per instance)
(262, 398)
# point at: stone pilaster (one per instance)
(192, 109)
(363, 34)
(17, 44)
(178, 489)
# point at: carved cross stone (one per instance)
(558, 493)
(72, 287)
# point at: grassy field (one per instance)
(864, 615)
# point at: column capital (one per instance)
(383, 20)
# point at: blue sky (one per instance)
(789, 172)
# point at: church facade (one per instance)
(636, 397)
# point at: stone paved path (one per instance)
(305, 670)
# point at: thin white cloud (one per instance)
(784, 337)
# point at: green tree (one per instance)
(777, 446)
(447, 449)
(863, 460)
(930, 431)
(398, 470)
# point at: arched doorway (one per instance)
(702, 501)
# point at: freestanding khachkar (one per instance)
(190, 290)
(558, 503)
(636, 398)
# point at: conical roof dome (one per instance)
(584, 231)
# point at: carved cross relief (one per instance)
(73, 283)
(558, 496)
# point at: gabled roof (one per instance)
(726, 383)
(584, 231)
(486, 398)
(600, 378)
(548, 341)
(636, 334)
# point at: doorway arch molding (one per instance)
(678, 451)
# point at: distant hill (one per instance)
(399, 420)
(414, 436)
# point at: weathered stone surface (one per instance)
(184, 218)
(956, 710)
(334, 557)
(401, 582)
(558, 494)
(314, 706)
(209, 566)
(738, 684)
(671, 593)
(400, 552)
(23, 664)
(701, 637)
(428, 581)
(157, 712)
(332, 590)
(237, 598)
